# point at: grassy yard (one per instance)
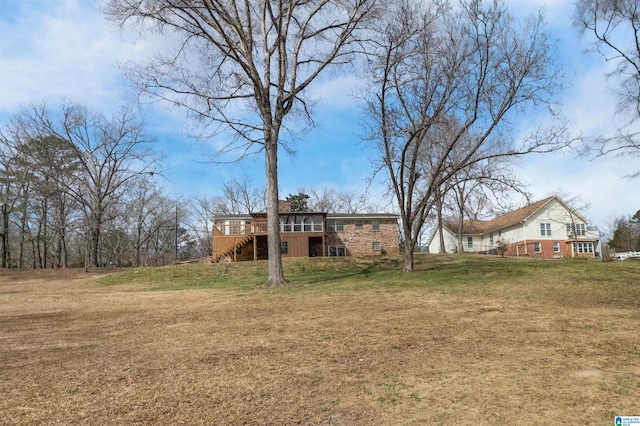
(463, 340)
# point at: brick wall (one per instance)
(546, 249)
(359, 241)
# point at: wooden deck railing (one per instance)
(260, 228)
(255, 228)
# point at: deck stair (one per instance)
(229, 252)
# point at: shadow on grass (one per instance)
(351, 269)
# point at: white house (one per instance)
(548, 228)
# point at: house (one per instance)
(548, 228)
(305, 234)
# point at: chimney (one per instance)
(284, 206)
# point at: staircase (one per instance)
(229, 252)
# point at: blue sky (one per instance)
(50, 50)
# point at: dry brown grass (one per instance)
(75, 352)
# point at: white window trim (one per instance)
(545, 229)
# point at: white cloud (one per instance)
(62, 49)
(340, 92)
(56, 52)
(597, 183)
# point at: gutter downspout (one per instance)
(524, 232)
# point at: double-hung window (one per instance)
(536, 247)
(576, 229)
(545, 229)
(335, 225)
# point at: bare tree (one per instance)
(145, 199)
(9, 194)
(480, 190)
(246, 65)
(326, 199)
(240, 197)
(615, 24)
(452, 76)
(323, 199)
(351, 202)
(200, 221)
(109, 151)
(51, 164)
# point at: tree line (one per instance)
(626, 233)
(81, 189)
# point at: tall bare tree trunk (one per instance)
(409, 246)
(275, 275)
(442, 248)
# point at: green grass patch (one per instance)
(586, 282)
(237, 276)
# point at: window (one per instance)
(491, 239)
(299, 223)
(375, 225)
(583, 247)
(556, 247)
(536, 247)
(359, 223)
(313, 223)
(469, 242)
(284, 247)
(335, 225)
(545, 229)
(376, 245)
(579, 228)
(234, 227)
(285, 224)
(336, 251)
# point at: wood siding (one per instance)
(298, 243)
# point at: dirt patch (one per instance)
(75, 353)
